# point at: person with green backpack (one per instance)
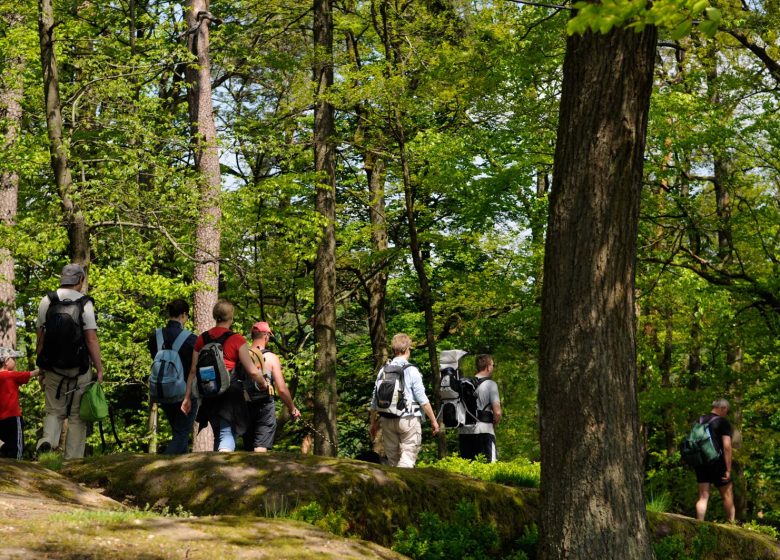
(717, 472)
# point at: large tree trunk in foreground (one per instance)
(325, 395)
(78, 234)
(11, 92)
(204, 132)
(591, 487)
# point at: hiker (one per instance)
(261, 430)
(178, 339)
(717, 473)
(402, 422)
(226, 412)
(11, 433)
(67, 347)
(479, 438)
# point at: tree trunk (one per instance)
(11, 92)
(204, 133)
(377, 285)
(426, 294)
(325, 396)
(375, 168)
(78, 234)
(592, 503)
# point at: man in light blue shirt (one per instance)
(402, 434)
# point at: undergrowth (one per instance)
(518, 472)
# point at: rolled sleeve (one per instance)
(415, 385)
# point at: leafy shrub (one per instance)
(518, 472)
(763, 529)
(674, 547)
(331, 521)
(671, 548)
(434, 539)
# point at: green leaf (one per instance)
(683, 29)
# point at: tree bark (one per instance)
(11, 92)
(374, 166)
(377, 285)
(426, 294)
(592, 503)
(204, 133)
(325, 395)
(78, 234)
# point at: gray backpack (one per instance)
(168, 381)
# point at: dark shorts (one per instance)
(712, 473)
(262, 425)
(471, 445)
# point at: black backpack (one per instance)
(64, 345)
(212, 377)
(468, 394)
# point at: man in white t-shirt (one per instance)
(480, 438)
(67, 348)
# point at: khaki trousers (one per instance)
(60, 393)
(402, 438)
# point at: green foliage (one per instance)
(433, 539)
(51, 460)
(676, 15)
(517, 472)
(675, 547)
(659, 503)
(331, 521)
(760, 528)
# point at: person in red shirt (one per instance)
(227, 413)
(11, 432)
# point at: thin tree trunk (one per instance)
(153, 416)
(426, 294)
(204, 132)
(377, 285)
(592, 503)
(325, 395)
(78, 234)
(11, 92)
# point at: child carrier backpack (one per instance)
(211, 373)
(390, 390)
(64, 345)
(698, 448)
(253, 392)
(452, 412)
(168, 380)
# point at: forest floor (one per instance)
(45, 516)
(158, 508)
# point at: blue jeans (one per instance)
(181, 426)
(224, 437)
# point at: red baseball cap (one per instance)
(261, 326)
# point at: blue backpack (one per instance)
(168, 381)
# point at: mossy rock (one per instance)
(711, 541)
(44, 515)
(374, 500)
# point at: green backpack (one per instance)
(94, 406)
(698, 448)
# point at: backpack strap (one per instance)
(222, 339)
(158, 333)
(180, 340)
